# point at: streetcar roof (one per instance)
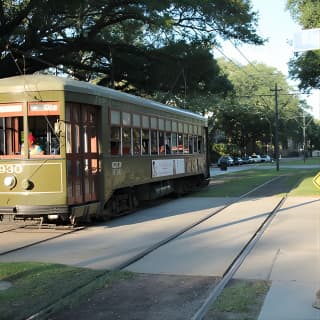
(34, 83)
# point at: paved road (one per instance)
(209, 248)
(215, 171)
(109, 244)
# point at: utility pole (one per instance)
(276, 125)
(304, 136)
(304, 127)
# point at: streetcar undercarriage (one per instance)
(122, 202)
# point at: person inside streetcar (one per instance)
(34, 148)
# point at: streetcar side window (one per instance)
(154, 136)
(161, 137)
(136, 134)
(180, 143)
(115, 133)
(174, 147)
(115, 143)
(154, 142)
(126, 134)
(168, 143)
(126, 141)
(145, 141)
(185, 144)
(168, 139)
(185, 139)
(195, 144)
(161, 142)
(137, 141)
(145, 135)
(174, 138)
(191, 144)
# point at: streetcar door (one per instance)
(82, 152)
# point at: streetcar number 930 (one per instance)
(11, 168)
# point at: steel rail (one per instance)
(40, 241)
(237, 262)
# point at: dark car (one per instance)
(225, 159)
(237, 161)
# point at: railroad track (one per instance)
(18, 236)
(9, 226)
(230, 269)
(237, 262)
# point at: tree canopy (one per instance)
(246, 115)
(134, 45)
(306, 66)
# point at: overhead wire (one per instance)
(254, 66)
(248, 74)
(241, 69)
(14, 59)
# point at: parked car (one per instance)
(266, 158)
(247, 160)
(237, 161)
(256, 158)
(225, 159)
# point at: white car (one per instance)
(266, 158)
(256, 158)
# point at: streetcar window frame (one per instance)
(136, 134)
(46, 113)
(126, 134)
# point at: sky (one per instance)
(275, 24)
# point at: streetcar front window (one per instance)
(41, 139)
(43, 130)
(11, 135)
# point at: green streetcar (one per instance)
(71, 151)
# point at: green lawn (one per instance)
(238, 183)
(306, 187)
(300, 161)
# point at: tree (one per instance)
(134, 45)
(247, 114)
(306, 66)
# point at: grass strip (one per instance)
(300, 162)
(241, 300)
(238, 183)
(37, 285)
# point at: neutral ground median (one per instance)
(34, 286)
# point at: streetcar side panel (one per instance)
(151, 152)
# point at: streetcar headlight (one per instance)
(10, 181)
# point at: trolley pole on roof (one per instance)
(276, 125)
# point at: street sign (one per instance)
(316, 180)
